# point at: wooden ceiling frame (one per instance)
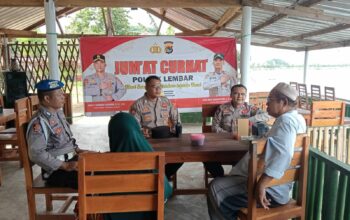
(60, 13)
(125, 3)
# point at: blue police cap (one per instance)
(49, 85)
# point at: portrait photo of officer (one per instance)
(219, 82)
(102, 86)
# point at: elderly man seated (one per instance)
(228, 194)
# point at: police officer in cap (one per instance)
(50, 140)
(102, 86)
(219, 82)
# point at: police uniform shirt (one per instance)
(92, 87)
(49, 136)
(151, 114)
(212, 82)
(226, 114)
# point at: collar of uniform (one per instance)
(45, 111)
(245, 105)
(148, 100)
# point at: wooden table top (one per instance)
(7, 115)
(217, 147)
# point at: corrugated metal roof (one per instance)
(303, 24)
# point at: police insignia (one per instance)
(36, 127)
(58, 130)
(52, 122)
(168, 47)
(164, 105)
(147, 118)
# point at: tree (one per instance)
(90, 21)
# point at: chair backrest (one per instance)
(22, 109)
(327, 113)
(303, 97)
(297, 171)
(294, 85)
(34, 104)
(67, 108)
(259, 99)
(315, 93)
(208, 112)
(118, 182)
(27, 164)
(329, 93)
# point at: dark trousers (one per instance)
(171, 169)
(214, 168)
(62, 178)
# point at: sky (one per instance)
(258, 54)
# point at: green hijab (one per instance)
(125, 136)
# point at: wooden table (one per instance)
(217, 147)
(7, 115)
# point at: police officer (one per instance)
(219, 82)
(50, 140)
(153, 110)
(103, 86)
(227, 113)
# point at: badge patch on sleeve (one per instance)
(36, 127)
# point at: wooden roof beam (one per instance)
(277, 17)
(167, 20)
(195, 33)
(327, 45)
(12, 32)
(163, 10)
(202, 15)
(229, 15)
(300, 11)
(59, 13)
(124, 3)
(312, 33)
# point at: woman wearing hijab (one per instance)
(125, 136)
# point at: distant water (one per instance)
(337, 77)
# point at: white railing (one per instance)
(332, 140)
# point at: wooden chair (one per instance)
(296, 172)
(259, 99)
(303, 97)
(126, 188)
(34, 104)
(327, 113)
(294, 85)
(36, 185)
(67, 108)
(329, 93)
(315, 93)
(10, 136)
(208, 112)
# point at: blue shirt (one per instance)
(278, 153)
(280, 149)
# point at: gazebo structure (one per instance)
(300, 25)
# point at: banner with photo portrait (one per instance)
(193, 70)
